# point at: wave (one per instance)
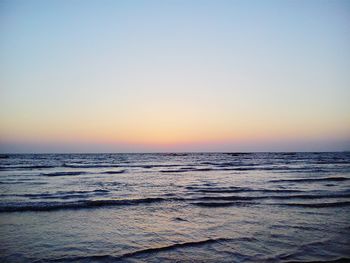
(235, 189)
(315, 196)
(174, 246)
(230, 198)
(80, 173)
(246, 168)
(238, 153)
(175, 154)
(26, 167)
(114, 172)
(121, 165)
(62, 194)
(52, 206)
(28, 182)
(248, 198)
(183, 170)
(159, 165)
(230, 189)
(214, 200)
(90, 166)
(333, 161)
(219, 166)
(226, 164)
(223, 204)
(243, 203)
(151, 250)
(277, 190)
(338, 260)
(64, 173)
(317, 205)
(305, 180)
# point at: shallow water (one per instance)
(210, 207)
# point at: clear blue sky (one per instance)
(105, 76)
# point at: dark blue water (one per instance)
(210, 207)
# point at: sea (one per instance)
(175, 207)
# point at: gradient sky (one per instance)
(174, 75)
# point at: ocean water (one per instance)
(194, 207)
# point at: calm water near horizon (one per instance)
(190, 207)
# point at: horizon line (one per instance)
(178, 152)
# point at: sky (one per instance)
(174, 75)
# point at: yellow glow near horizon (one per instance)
(167, 128)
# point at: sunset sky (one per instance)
(174, 75)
